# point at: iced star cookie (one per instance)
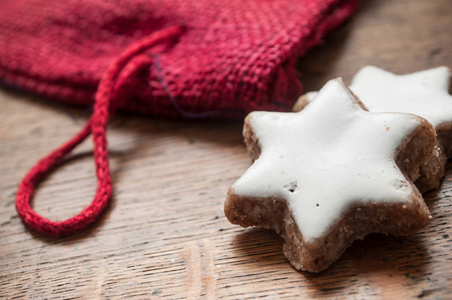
(330, 174)
(424, 94)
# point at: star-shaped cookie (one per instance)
(422, 93)
(330, 174)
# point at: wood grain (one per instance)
(164, 234)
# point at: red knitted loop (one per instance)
(125, 66)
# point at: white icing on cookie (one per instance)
(422, 93)
(327, 157)
(310, 96)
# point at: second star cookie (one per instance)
(423, 93)
(331, 174)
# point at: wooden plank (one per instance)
(164, 234)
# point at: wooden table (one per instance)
(165, 235)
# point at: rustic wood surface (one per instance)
(164, 235)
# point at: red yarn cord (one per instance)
(105, 101)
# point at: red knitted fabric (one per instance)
(194, 59)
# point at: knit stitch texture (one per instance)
(234, 57)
